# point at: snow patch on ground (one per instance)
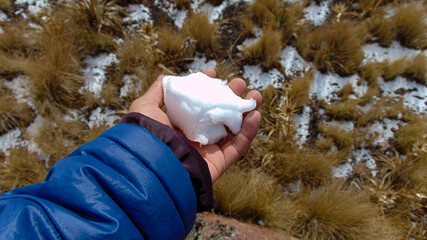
(342, 171)
(259, 79)
(317, 14)
(95, 72)
(415, 96)
(20, 87)
(101, 117)
(129, 84)
(302, 122)
(171, 10)
(33, 130)
(3, 16)
(138, 14)
(375, 53)
(384, 130)
(364, 155)
(292, 61)
(34, 6)
(325, 86)
(11, 139)
(200, 64)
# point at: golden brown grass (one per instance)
(346, 110)
(266, 50)
(334, 47)
(56, 79)
(308, 166)
(394, 69)
(101, 15)
(371, 72)
(410, 26)
(17, 38)
(170, 42)
(411, 133)
(13, 114)
(248, 194)
(417, 69)
(183, 4)
(299, 89)
(343, 139)
(134, 52)
(331, 212)
(226, 70)
(21, 168)
(5, 5)
(385, 107)
(67, 136)
(275, 14)
(198, 28)
(382, 27)
(345, 91)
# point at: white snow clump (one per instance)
(202, 106)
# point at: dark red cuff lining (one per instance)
(185, 152)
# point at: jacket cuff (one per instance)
(185, 152)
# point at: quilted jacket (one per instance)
(129, 183)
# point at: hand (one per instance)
(222, 155)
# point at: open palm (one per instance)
(222, 155)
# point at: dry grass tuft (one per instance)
(56, 79)
(382, 27)
(331, 212)
(334, 47)
(226, 70)
(133, 53)
(248, 194)
(343, 139)
(385, 107)
(197, 27)
(345, 92)
(371, 72)
(17, 39)
(275, 14)
(100, 15)
(266, 51)
(170, 42)
(308, 167)
(21, 168)
(346, 110)
(411, 133)
(67, 137)
(417, 69)
(13, 114)
(299, 89)
(5, 5)
(183, 4)
(411, 26)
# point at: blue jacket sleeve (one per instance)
(126, 184)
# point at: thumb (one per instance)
(155, 93)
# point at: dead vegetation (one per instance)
(198, 28)
(21, 168)
(266, 50)
(285, 184)
(5, 5)
(334, 47)
(13, 114)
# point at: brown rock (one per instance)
(212, 226)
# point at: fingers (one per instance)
(234, 148)
(210, 72)
(256, 95)
(155, 93)
(238, 86)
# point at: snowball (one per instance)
(202, 106)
